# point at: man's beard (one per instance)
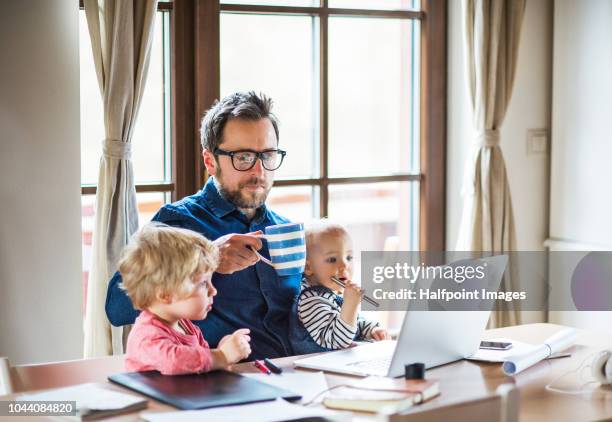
(243, 199)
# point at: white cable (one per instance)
(580, 390)
(312, 401)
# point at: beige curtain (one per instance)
(492, 32)
(121, 34)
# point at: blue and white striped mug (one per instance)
(287, 248)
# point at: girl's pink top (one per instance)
(153, 345)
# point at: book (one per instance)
(92, 400)
(381, 395)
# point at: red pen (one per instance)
(262, 368)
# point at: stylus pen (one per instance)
(262, 368)
(272, 367)
(366, 298)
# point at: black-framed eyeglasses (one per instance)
(244, 160)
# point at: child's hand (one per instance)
(352, 293)
(236, 346)
(379, 333)
(351, 298)
(224, 339)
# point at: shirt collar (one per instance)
(221, 206)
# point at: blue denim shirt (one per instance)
(255, 298)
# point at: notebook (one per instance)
(381, 395)
(201, 391)
(92, 401)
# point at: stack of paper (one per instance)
(92, 400)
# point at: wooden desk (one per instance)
(460, 381)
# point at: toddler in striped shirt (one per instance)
(325, 316)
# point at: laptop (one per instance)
(431, 337)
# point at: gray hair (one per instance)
(240, 105)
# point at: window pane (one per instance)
(379, 216)
(274, 2)
(373, 96)
(376, 4)
(148, 204)
(148, 146)
(255, 57)
(294, 202)
(149, 141)
(92, 121)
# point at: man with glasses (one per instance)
(239, 138)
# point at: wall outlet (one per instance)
(537, 141)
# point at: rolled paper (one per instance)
(560, 341)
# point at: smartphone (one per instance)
(495, 345)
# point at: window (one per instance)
(151, 141)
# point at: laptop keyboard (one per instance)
(372, 366)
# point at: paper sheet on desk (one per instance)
(307, 384)
(488, 355)
(271, 411)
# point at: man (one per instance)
(240, 150)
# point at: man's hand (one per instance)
(236, 347)
(379, 333)
(235, 251)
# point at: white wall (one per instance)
(582, 131)
(40, 256)
(581, 203)
(529, 108)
